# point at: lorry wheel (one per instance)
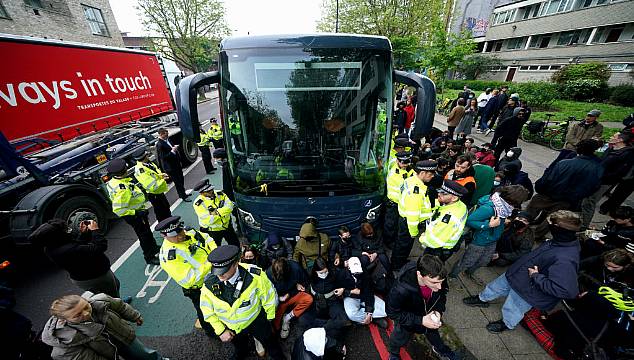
(71, 206)
(188, 151)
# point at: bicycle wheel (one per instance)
(556, 141)
(527, 136)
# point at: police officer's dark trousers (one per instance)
(390, 225)
(228, 234)
(160, 205)
(402, 246)
(262, 330)
(194, 296)
(141, 226)
(217, 143)
(205, 153)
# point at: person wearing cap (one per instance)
(539, 279)
(463, 174)
(400, 144)
(359, 302)
(320, 343)
(213, 209)
(215, 132)
(152, 180)
(205, 152)
(508, 131)
(416, 204)
(128, 203)
(590, 128)
(183, 257)
(239, 301)
(395, 178)
(444, 227)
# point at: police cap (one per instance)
(220, 153)
(213, 120)
(222, 258)
(171, 226)
(117, 167)
(425, 165)
(401, 142)
(139, 154)
(453, 188)
(203, 186)
(404, 156)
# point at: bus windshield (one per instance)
(306, 120)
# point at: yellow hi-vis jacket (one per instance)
(150, 177)
(445, 227)
(205, 138)
(215, 131)
(395, 179)
(414, 204)
(186, 262)
(125, 196)
(257, 293)
(214, 214)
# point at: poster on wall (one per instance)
(474, 15)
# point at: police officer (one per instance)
(445, 227)
(205, 152)
(395, 179)
(183, 256)
(213, 209)
(400, 144)
(248, 286)
(152, 180)
(414, 207)
(215, 131)
(128, 203)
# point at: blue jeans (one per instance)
(514, 306)
(355, 309)
(483, 122)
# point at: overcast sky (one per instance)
(256, 17)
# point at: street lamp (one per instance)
(337, 18)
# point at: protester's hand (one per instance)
(339, 292)
(494, 222)
(532, 271)
(368, 319)
(496, 256)
(355, 291)
(373, 257)
(226, 336)
(336, 262)
(283, 298)
(345, 264)
(139, 321)
(300, 287)
(429, 322)
(165, 176)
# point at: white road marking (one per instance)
(117, 264)
(152, 271)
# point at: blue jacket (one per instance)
(557, 263)
(478, 220)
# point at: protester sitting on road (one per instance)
(368, 248)
(94, 327)
(291, 282)
(511, 157)
(498, 179)
(416, 304)
(80, 251)
(538, 279)
(485, 155)
(516, 241)
(513, 176)
(463, 173)
(311, 245)
(320, 343)
(250, 255)
(328, 285)
(612, 266)
(341, 249)
(484, 176)
(618, 233)
(275, 247)
(360, 303)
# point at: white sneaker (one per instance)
(259, 348)
(488, 132)
(286, 327)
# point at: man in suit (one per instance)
(169, 160)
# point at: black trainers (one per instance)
(497, 327)
(446, 354)
(475, 301)
(153, 260)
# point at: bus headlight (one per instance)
(373, 213)
(248, 219)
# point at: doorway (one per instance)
(510, 74)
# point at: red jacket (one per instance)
(409, 110)
(486, 158)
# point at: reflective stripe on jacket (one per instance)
(215, 131)
(125, 196)
(190, 266)
(445, 227)
(395, 180)
(150, 177)
(414, 204)
(214, 214)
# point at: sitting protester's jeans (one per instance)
(355, 309)
(514, 306)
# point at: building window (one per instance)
(555, 67)
(498, 45)
(533, 67)
(34, 3)
(614, 34)
(545, 40)
(504, 17)
(524, 68)
(3, 12)
(587, 3)
(96, 21)
(543, 67)
(515, 43)
(617, 67)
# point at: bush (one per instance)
(475, 85)
(622, 95)
(587, 71)
(538, 95)
(585, 89)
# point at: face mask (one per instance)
(517, 225)
(496, 183)
(510, 154)
(428, 150)
(276, 247)
(249, 261)
(322, 275)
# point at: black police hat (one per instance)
(222, 258)
(117, 167)
(170, 226)
(425, 165)
(404, 156)
(220, 153)
(401, 142)
(139, 154)
(203, 185)
(213, 119)
(453, 188)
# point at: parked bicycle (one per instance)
(540, 132)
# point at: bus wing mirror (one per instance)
(187, 101)
(425, 100)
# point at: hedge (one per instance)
(476, 85)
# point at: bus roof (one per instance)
(325, 40)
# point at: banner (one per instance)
(474, 15)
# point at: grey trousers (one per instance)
(589, 204)
(106, 283)
(474, 257)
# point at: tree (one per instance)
(445, 51)
(190, 29)
(474, 65)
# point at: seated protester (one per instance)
(368, 248)
(290, 282)
(463, 174)
(613, 266)
(461, 138)
(320, 343)
(311, 245)
(618, 233)
(341, 249)
(497, 180)
(327, 285)
(275, 247)
(360, 303)
(484, 176)
(425, 152)
(514, 176)
(468, 145)
(251, 256)
(538, 279)
(511, 157)
(416, 304)
(487, 225)
(439, 144)
(485, 156)
(516, 241)
(452, 154)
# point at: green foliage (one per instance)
(585, 89)
(472, 66)
(586, 71)
(538, 95)
(405, 50)
(475, 85)
(622, 95)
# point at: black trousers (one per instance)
(228, 234)
(401, 336)
(442, 253)
(179, 181)
(205, 153)
(141, 226)
(621, 192)
(262, 330)
(504, 143)
(390, 225)
(160, 205)
(194, 296)
(218, 143)
(402, 246)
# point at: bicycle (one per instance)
(552, 136)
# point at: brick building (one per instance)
(87, 21)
